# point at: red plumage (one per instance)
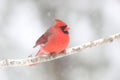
(54, 40)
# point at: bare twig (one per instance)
(69, 51)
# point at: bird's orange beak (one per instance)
(67, 28)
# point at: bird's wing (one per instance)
(44, 38)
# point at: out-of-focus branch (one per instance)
(69, 51)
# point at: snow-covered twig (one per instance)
(69, 51)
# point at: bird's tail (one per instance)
(41, 52)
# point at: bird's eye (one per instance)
(63, 29)
(63, 26)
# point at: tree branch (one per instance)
(69, 51)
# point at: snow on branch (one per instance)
(32, 60)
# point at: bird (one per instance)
(54, 40)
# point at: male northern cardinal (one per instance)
(54, 40)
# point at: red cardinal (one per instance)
(54, 40)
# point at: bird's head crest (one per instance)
(60, 22)
(62, 25)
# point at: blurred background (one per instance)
(22, 22)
